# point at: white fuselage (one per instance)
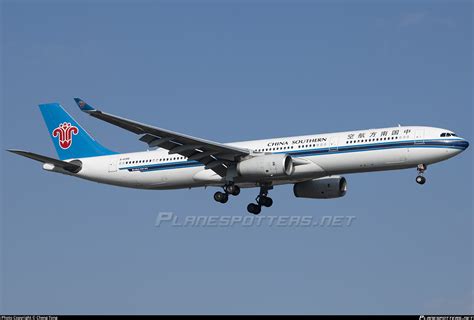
(319, 155)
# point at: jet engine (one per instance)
(274, 165)
(322, 188)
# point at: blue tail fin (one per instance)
(69, 138)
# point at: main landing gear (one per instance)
(223, 197)
(262, 200)
(420, 179)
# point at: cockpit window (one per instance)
(448, 134)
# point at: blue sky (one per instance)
(227, 72)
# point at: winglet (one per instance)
(84, 106)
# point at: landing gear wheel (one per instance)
(421, 168)
(420, 180)
(262, 200)
(254, 208)
(221, 197)
(232, 189)
(265, 201)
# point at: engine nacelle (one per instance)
(273, 165)
(323, 188)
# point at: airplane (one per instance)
(314, 164)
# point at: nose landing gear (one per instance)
(420, 179)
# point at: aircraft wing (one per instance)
(213, 155)
(68, 166)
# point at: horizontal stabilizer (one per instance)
(68, 166)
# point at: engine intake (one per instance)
(274, 165)
(323, 188)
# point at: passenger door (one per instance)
(112, 164)
(333, 143)
(419, 136)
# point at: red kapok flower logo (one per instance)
(64, 133)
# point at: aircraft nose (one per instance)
(462, 144)
(465, 144)
(459, 144)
